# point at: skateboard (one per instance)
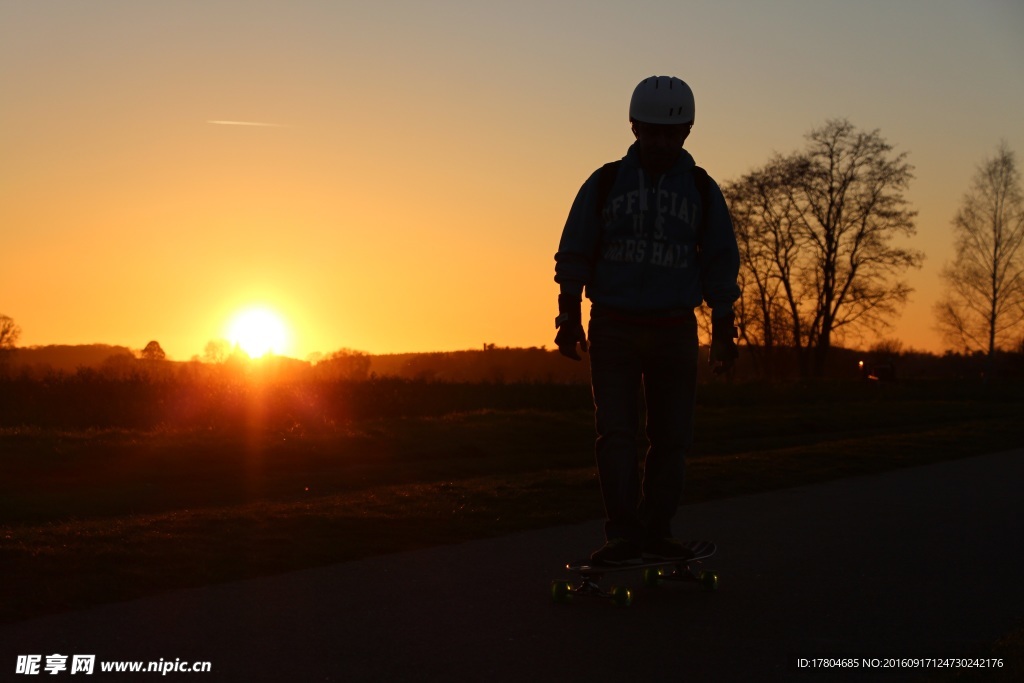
(589, 575)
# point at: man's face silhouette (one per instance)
(660, 144)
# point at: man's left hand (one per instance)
(723, 353)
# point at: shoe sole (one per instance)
(667, 558)
(617, 563)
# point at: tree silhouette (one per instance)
(217, 351)
(816, 231)
(153, 352)
(983, 306)
(345, 364)
(9, 333)
(764, 219)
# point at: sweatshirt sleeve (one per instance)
(574, 261)
(720, 258)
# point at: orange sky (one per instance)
(410, 193)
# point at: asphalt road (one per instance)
(919, 562)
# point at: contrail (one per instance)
(249, 123)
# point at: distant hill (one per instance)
(66, 358)
(491, 364)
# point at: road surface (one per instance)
(918, 562)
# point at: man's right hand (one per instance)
(570, 334)
(570, 327)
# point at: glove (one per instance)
(723, 353)
(570, 327)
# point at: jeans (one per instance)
(627, 356)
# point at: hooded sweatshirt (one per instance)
(639, 252)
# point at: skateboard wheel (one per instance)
(709, 580)
(560, 591)
(621, 596)
(652, 577)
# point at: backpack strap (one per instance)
(609, 172)
(703, 182)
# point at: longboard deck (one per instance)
(700, 549)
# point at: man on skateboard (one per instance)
(648, 239)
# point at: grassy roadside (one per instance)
(99, 517)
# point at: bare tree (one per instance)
(9, 333)
(763, 218)
(818, 229)
(983, 305)
(345, 364)
(216, 351)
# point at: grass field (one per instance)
(94, 516)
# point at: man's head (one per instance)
(661, 112)
(662, 100)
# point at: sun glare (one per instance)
(258, 331)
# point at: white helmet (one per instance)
(662, 100)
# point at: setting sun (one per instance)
(258, 331)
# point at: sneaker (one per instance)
(667, 549)
(617, 551)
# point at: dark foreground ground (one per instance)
(922, 562)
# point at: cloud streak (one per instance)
(257, 124)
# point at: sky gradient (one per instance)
(414, 163)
